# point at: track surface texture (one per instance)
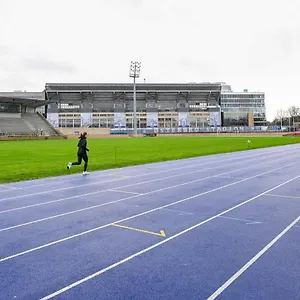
(224, 226)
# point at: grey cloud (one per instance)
(47, 65)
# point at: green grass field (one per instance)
(22, 160)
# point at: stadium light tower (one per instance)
(135, 69)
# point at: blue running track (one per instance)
(217, 227)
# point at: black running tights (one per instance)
(80, 158)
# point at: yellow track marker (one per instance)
(282, 196)
(162, 233)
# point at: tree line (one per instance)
(287, 117)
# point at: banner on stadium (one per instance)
(235, 129)
(53, 119)
(119, 119)
(152, 119)
(183, 119)
(86, 119)
(215, 119)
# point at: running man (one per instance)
(81, 153)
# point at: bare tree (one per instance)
(281, 115)
(293, 112)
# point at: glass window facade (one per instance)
(235, 119)
(237, 106)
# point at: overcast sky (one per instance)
(252, 45)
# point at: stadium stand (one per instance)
(39, 124)
(110, 105)
(18, 115)
(14, 126)
(25, 124)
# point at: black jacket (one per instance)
(82, 143)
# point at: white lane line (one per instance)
(147, 193)
(61, 189)
(117, 175)
(147, 212)
(101, 191)
(107, 203)
(9, 188)
(140, 175)
(180, 212)
(163, 242)
(58, 181)
(283, 196)
(249, 222)
(124, 186)
(229, 177)
(212, 160)
(238, 155)
(255, 156)
(125, 192)
(251, 262)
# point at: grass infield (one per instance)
(23, 160)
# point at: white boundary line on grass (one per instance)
(220, 290)
(57, 180)
(161, 243)
(145, 213)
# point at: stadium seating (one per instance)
(39, 124)
(14, 126)
(26, 124)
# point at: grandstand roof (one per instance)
(110, 92)
(31, 99)
(67, 87)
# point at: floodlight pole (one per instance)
(135, 68)
(134, 108)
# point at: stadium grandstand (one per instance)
(107, 108)
(19, 115)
